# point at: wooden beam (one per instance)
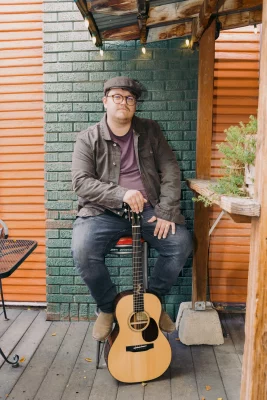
(174, 12)
(238, 20)
(233, 205)
(113, 7)
(169, 32)
(143, 7)
(201, 22)
(203, 157)
(82, 6)
(131, 32)
(254, 382)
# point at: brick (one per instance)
(88, 66)
(72, 97)
(88, 107)
(65, 253)
(65, 117)
(52, 253)
(54, 7)
(66, 271)
(136, 55)
(57, 27)
(108, 55)
(65, 312)
(50, 97)
(167, 115)
(73, 36)
(167, 95)
(83, 298)
(50, 37)
(52, 289)
(59, 298)
(73, 289)
(51, 176)
(51, 117)
(78, 127)
(58, 107)
(73, 76)
(70, 16)
(50, 78)
(84, 46)
(58, 205)
(74, 56)
(83, 312)
(64, 157)
(74, 312)
(58, 87)
(101, 76)
(61, 127)
(119, 66)
(122, 45)
(178, 105)
(60, 262)
(57, 47)
(52, 270)
(57, 67)
(67, 137)
(49, 17)
(51, 157)
(88, 87)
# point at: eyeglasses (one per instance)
(118, 99)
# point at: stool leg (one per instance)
(145, 265)
(99, 352)
(3, 300)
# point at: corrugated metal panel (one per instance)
(236, 82)
(22, 141)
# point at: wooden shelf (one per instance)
(233, 205)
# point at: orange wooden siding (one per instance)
(236, 82)
(22, 141)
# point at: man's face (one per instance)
(123, 112)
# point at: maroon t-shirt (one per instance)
(130, 177)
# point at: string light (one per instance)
(101, 51)
(86, 23)
(94, 39)
(143, 50)
(255, 29)
(187, 42)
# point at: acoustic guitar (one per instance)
(137, 350)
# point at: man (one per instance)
(125, 159)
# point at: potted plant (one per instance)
(239, 150)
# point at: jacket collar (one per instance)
(137, 124)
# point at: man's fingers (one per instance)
(166, 230)
(173, 228)
(153, 219)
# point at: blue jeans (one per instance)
(94, 237)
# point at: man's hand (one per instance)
(135, 200)
(162, 227)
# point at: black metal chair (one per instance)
(12, 254)
(124, 247)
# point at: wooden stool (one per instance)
(125, 243)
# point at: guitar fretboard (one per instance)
(138, 283)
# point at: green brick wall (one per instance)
(74, 75)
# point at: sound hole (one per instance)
(139, 321)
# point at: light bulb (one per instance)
(101, 52)
(94, 39)
(86, 23)
(143, 50)
(187, 42)
(255, 29)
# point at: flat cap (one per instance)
(123, 82)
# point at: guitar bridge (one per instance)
(140, 347)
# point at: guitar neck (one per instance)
(138, 282)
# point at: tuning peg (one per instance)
(125, 210)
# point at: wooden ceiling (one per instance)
(151, 21)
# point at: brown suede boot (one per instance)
(165, 323)
(103, 326)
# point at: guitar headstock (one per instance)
(132, 216)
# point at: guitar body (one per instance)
(137, 349)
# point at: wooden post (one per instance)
(203, 157)
(254, 374)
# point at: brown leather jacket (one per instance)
(96, 170)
